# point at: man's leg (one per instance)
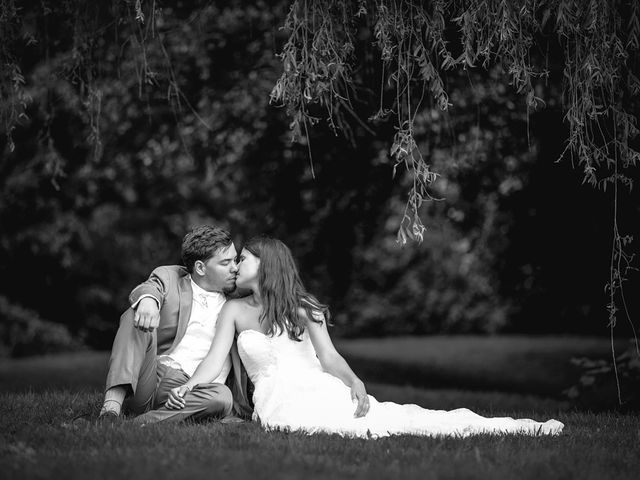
(132, 369)
(207, 400)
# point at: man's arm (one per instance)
(155, 286)
(147, 298)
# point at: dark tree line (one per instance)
(124, 126)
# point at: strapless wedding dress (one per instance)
(293, 393)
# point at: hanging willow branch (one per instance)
(418, 41)
(416, 45)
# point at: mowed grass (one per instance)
(39, 439)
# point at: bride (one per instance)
(301, 381)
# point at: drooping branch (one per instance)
(417, 43)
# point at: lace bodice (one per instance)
(263, 354)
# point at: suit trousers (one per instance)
(133, 364)
(205, 400)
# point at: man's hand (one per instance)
(359, 394)
(176, 398)
(147, 316)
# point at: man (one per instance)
(167, 332)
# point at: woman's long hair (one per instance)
(281, 289)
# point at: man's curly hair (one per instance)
(202, 243)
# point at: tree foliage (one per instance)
(418, 41)
(126, 121)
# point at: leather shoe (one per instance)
(109, 418)
(106, 418)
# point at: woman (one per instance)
(301, 381)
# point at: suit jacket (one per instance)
(171, 287)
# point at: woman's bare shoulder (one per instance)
(235, 303)
(239, 305)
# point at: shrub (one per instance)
(23, 332)
(601, 386)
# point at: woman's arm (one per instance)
(211, 365)
(332, 362)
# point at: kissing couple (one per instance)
(187, 344)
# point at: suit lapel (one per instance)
(184, 312)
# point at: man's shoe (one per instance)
(106, 418)
(109, 417)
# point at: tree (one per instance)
(383, 66)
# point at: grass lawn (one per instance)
(40, 397)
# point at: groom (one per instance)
(168, 331)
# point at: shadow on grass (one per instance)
(536, 365)
(79, 371)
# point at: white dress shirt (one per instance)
(195, 344)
